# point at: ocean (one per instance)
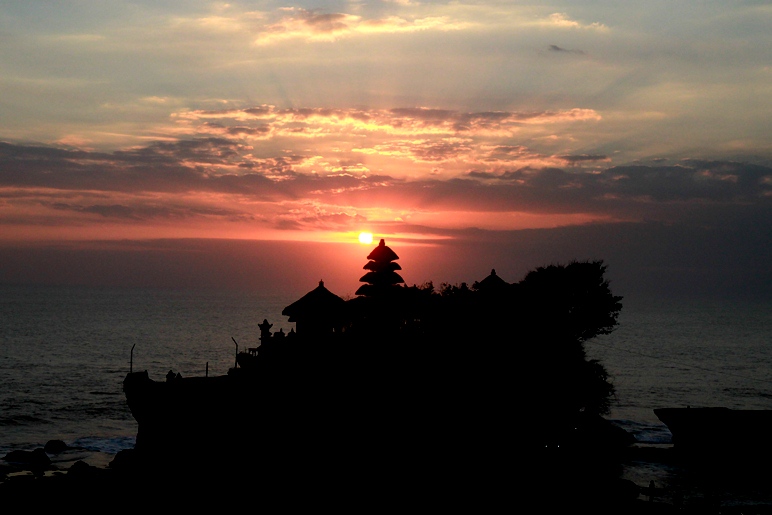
(65, 350)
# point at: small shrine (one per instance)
(318, 313)
(493, 283)
(265, 330)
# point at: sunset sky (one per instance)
(247, 144)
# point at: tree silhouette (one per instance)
(503, 348)
(509, 356)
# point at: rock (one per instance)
(55, 446)
(124, 460)
(81, 469)
(36, 458)
(626, 490)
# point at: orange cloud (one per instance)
(247, 172)
(313, 25)
(412, 121)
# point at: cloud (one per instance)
(426, 151)
(584, 158)
(555, 48)
(107, 211)
(329, 168)
(692, 180)
(680, 220)
(427, 120)
(404, 121)
(562, 20)
(313, 25)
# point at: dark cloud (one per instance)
(192, 165)
(238, 130)
(207, 150)
(692, 180)
(145, 212)
(433, 151)
(424, 114)
(487, 175)
(673, 195)
(73, 180)
(583, 158)
(259, 111)
(508, 151)
(321, 22)
(139, 170)
(555, 48)
(111, 211)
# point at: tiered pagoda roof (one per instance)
(382, 271)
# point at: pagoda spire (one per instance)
(382, 275)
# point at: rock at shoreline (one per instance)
(55, 447)
(36, 458)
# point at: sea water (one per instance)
(679, 353)
(64, 352)
(675, 352)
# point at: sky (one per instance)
(247, 144)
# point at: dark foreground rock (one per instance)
(133, 481)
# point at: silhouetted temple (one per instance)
(492, 283)
(399, 386)
(318, 313)
(383, 305)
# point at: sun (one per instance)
(365, 237)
